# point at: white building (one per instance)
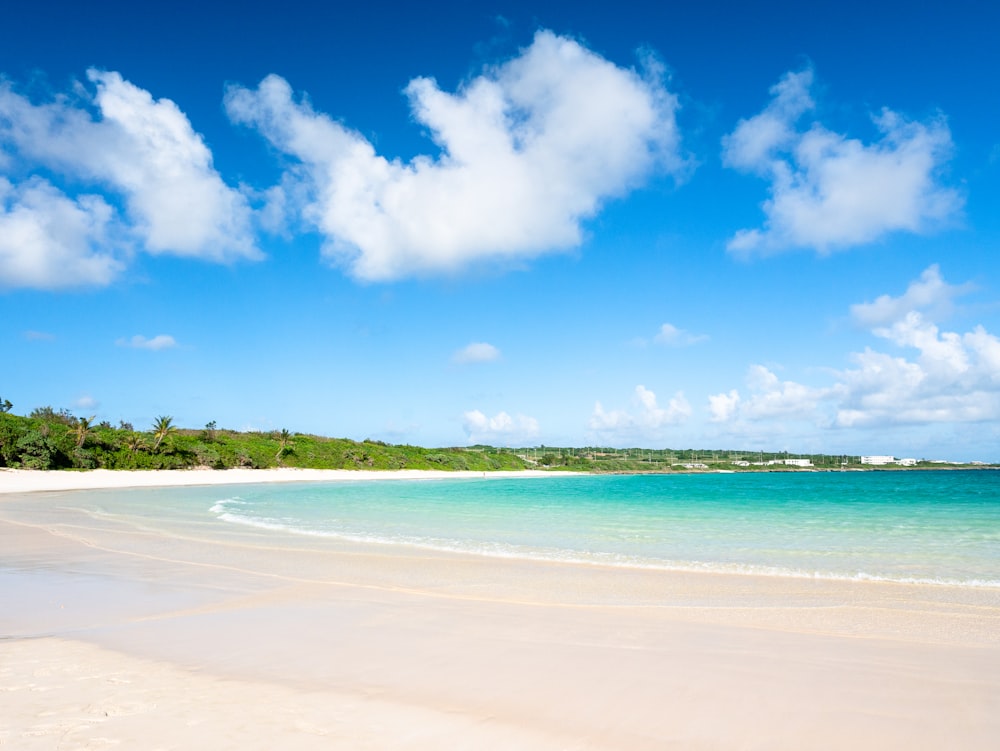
(878, 460)
(883, 460)
(798, 463)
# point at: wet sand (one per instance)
(132, 633)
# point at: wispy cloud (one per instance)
(671, 336)
(528, 150)
(161, 341)
(829, 191)
(476, 352)
(39, 336)
(86, 401)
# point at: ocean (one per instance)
(940, 527)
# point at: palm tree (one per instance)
(163, 427)
(284, 440)
(82, 429)
(133, 441)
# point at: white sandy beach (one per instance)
(119, 633)
(30, 481)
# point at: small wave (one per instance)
(221, 507)
(595, 558)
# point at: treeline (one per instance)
(612, 459)
(50, 439)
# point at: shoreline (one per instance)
(57, 480)
(33, 481)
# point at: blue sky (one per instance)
(697, 225)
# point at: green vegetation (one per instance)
(639, 460)
(49, 439)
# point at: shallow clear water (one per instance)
(904, 526)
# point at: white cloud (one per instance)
(654, 416)
(768, 398)
(672, 336)
(614, 421)
(158, 342)
(86, 401)
(954, 377)
(722, 407)
(829, 191)
(499, 429)
(935, 377)
(771, 397)
(49, 240)
(142, 150)
(930, 291)
(39, 336)
(527, 151)
(647, 418)
(476, 352)
(752, 145)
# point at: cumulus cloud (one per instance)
(935, 376)
(50, 241)
(954, 377)
(768, 397)
(672, 336)
(158, 342)
(143, 151)
(929, 291)
(526, 152)
(722, 407)
(476, 352)
(828, 191)
(499, 429)
(646, 418)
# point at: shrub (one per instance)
(36, 451)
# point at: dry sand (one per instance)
(131, 633)
(29, 481)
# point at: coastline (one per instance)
(127, 627)
(32, 481)
(59, 480)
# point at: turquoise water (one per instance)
(940, 527)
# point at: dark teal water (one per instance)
(938, 526)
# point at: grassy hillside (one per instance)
(58, 440)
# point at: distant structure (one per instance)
(798, 463)
(878, 461)
(786, 462)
